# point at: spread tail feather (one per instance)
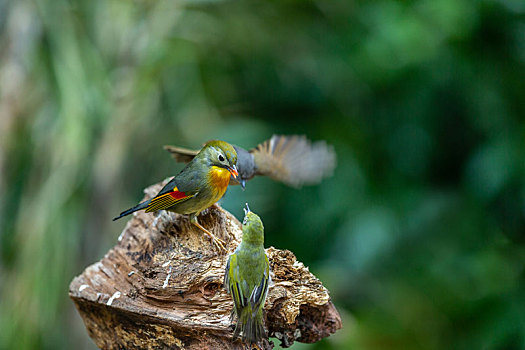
(250, 326)
(139, 206)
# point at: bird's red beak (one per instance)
(233, 171)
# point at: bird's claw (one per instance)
(218, 242)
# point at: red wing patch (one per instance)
(167, 200)
(177, 194)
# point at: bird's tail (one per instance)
(250, 326)
(134, 209)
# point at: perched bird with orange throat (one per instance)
(293, 160)
(201, 183)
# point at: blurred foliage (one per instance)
(420, 233)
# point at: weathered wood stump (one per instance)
(161, 287)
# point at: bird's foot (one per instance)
(216, 241)
(219, 243)
(254, 346)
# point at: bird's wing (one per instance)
(259, 292)
(181, 154)
(227, 275)
(232, 282)
(294, 160)
(168, 197)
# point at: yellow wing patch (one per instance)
(167, 200)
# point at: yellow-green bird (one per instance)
(247, 278)
(293, 160)
(201, 183)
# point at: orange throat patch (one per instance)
(219, 178)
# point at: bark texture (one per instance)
(161, 287)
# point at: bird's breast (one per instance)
(219, 178)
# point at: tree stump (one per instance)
(161, 287)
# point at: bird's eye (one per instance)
(221, 158)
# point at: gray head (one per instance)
(245, 165)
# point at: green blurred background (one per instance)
(420, 233)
